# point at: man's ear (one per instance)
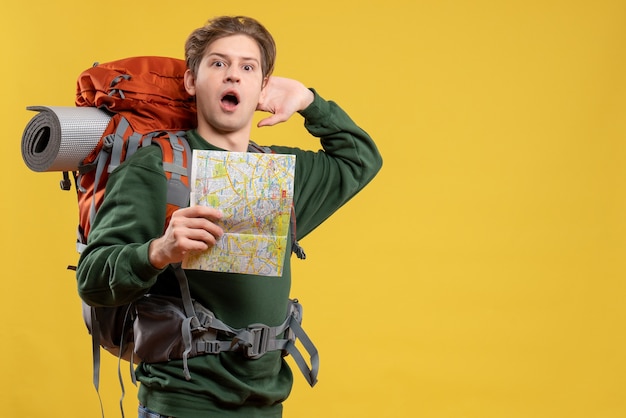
(263, 86)
(190, 82)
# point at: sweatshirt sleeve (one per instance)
(328, 178)
(114, 268)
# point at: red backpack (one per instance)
(148, 104)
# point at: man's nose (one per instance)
(232, 75)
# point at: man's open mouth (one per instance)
(230, 100)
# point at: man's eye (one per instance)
(248, 67)
(218, 64)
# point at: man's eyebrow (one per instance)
(226, 56)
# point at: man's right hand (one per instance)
(190, 229)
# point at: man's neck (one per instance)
(228, 141)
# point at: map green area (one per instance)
(254, 191)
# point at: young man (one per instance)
(230, 61)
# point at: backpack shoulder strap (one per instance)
(176, 164)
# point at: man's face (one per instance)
(227, 86)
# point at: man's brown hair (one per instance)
(223, 26)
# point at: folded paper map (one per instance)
(254, 191)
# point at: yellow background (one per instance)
(481, 274)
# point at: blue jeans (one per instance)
(146, 413)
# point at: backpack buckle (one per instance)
(259, 341)
(208, 347)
